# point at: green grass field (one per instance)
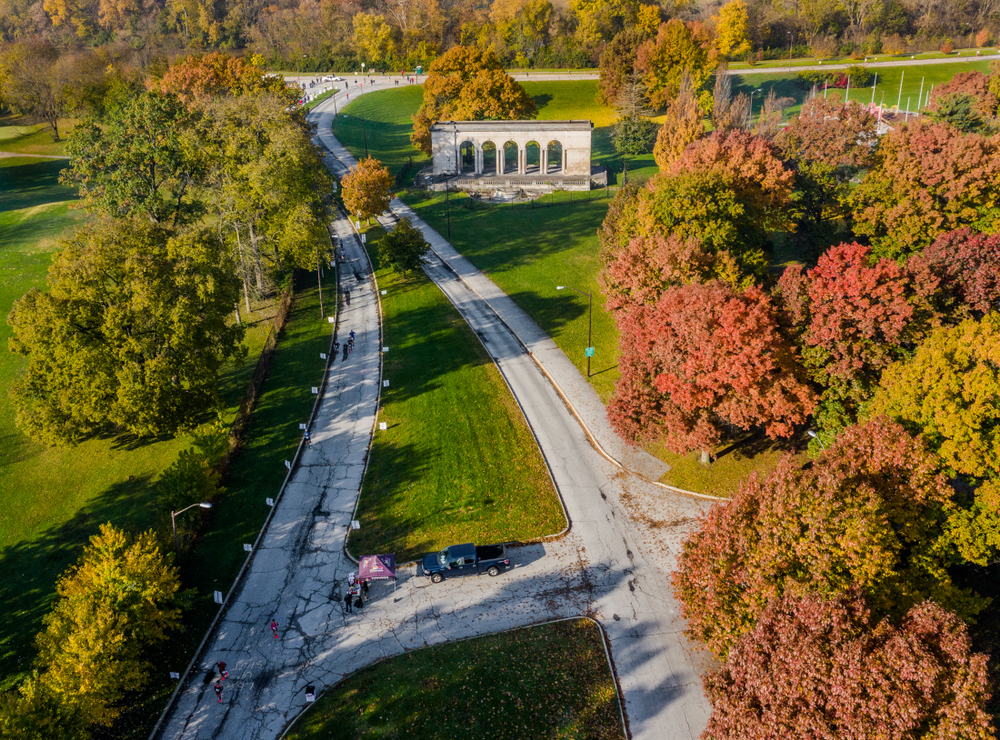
(457, 462)
(55, 498)
(786, 85)
(32, 138)
(549, 682)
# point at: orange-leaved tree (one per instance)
(468, 84)
(367, 188)
(199, 77)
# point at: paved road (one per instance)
(613, 564)
(632, 598)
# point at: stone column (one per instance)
(523, 169)
(479, 160)
(564, 161)
(500, 158)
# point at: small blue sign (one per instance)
(588, 352)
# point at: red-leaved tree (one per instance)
(976, 86)
(853, 316)
(870, 512)
(960, 273)
(703, 358)
(823, 669)
(928, 179)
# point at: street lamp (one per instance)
(815, 436)
(789, 50)
(590, 322)
(752, 93)
(173, 518)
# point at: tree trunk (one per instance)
(236, 307)
(706, 458)
(258, 266)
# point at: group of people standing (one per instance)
(357, 592)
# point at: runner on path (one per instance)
(222, 670)
(274, 628)
(218, 690)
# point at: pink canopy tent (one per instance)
(378, 568)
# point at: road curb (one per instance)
(604, 643)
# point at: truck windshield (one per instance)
(443, 557)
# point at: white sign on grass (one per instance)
(218, 597)
(247, 547)
(382, 425)
(385, 383)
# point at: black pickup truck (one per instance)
(465, 560)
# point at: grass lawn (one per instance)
(548, 682)
(733, 463)
(458, 462)
(786, 85)
(32, 138)
(384, 118)
(528, 252)
(811, 61)
(55, 498)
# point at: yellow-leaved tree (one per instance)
(731, 29)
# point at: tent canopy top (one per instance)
(377, 567)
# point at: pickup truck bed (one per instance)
(465, 560)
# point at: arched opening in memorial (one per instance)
(467, 153)
(511, 153)
(554, 158)
(532, 158)
(489, 158)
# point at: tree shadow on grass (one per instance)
(551, 312)
(33, 184)
(31, 567)
(753, 443)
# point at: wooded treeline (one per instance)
(313, 35)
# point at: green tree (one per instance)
(403, 249)
(633, 133)
(43, 84)
(33, 711)
(131, 334)
(374, 38)
(121, 597)
(367, 189)
(959, 111)
(467, 84)
(135, 164)
(265, 183)
(949, 393)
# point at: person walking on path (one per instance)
(222, 670)
(218, 690)
(351, 335)
(308, 439)
(348, 599)
(274, 628)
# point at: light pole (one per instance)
(752, 93)
(815, 436)
(789, 50)
(173, 518)
(590, 322)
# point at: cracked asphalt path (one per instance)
(613, 564)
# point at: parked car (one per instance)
(328, 78)
(465, 560)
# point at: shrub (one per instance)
(946, 47)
